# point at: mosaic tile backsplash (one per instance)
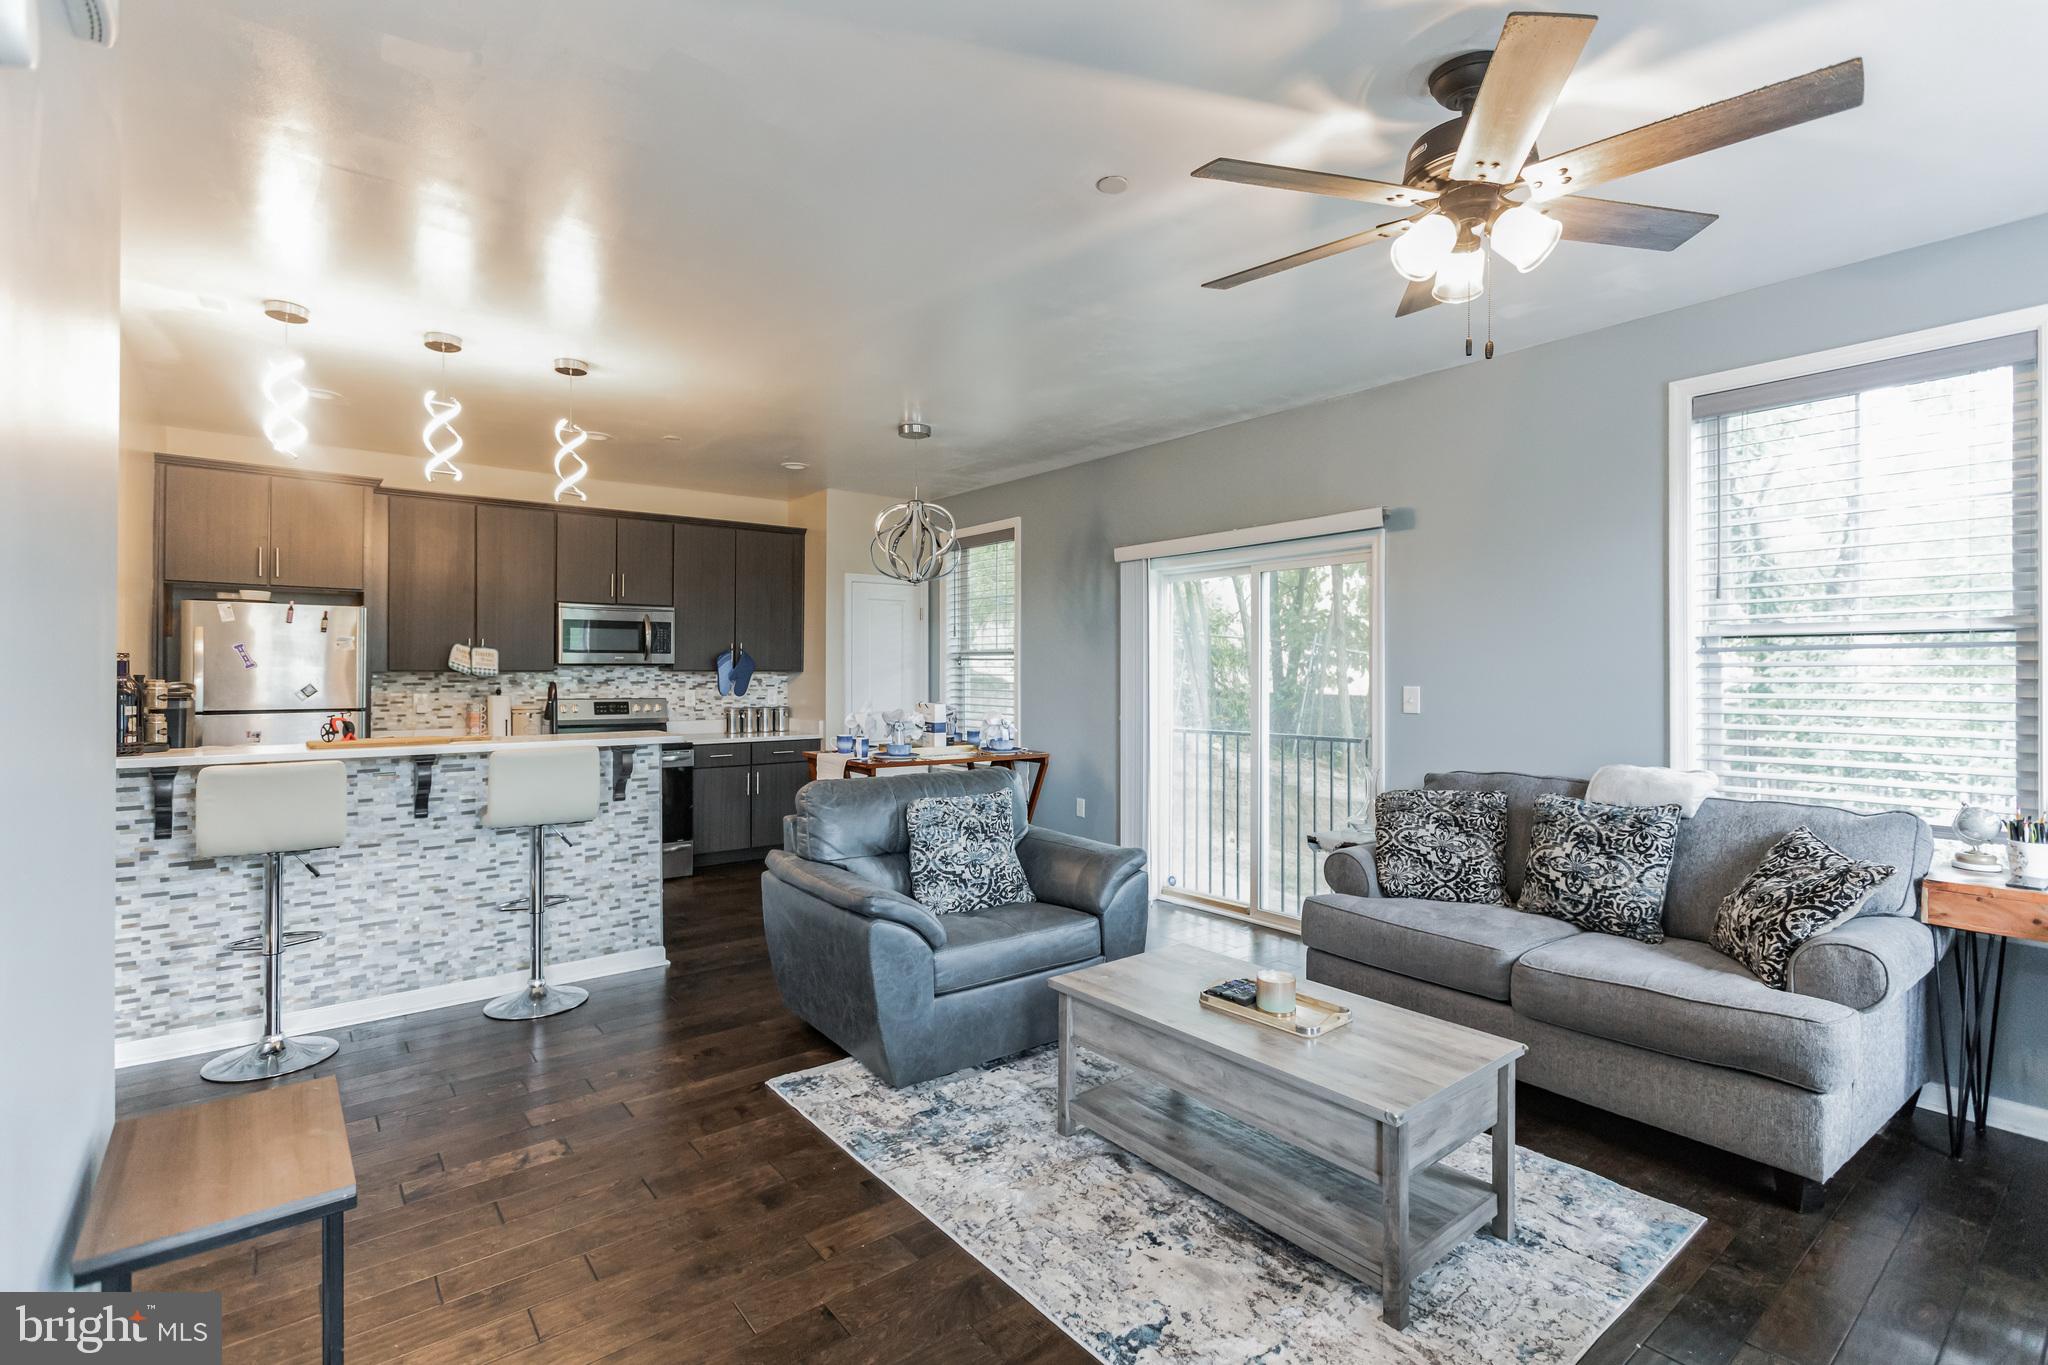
(426, 703)
(406, 903)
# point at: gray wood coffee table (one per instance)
(1330, 1142)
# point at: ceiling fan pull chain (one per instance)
(1486, 283)
(1468, 329)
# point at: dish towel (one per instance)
(1620, 784)
(831, 765)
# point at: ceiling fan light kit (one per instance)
(1473, 186)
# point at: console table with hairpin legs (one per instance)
(1985, 914)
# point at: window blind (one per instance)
(1865, 584)
(981, 628)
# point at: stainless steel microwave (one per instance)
(588, 633)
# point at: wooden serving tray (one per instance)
(1311, 1018)
(387, 741)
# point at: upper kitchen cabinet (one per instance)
(645, 570)
(316, 532)
(586, 557)
(216, 524)
(432, 588)
(612, 559)
(272, 530)
(515, 585)
(768, 598)
(706, 558)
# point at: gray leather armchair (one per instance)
(915, 995)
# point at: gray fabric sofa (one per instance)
(915, 995)
(1673, 1034)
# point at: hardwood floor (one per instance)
(615, 1184)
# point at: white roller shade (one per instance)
(1864, 583)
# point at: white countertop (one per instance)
(209, 755)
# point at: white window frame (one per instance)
(942, 617)
(1681, 614)
(1254, 557)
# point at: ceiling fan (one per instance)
(1470, 183)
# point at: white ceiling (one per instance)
(776, 226)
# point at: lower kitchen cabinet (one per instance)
(722, 802)
(775, 787)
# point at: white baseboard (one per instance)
(220, 1037)
(2028, 1120)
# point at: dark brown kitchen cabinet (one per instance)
(768, 598)
(586, 557)
(245, 526)
(432, 588)
(703, 593)
(515, 585)
(316, 533)
(775, 786)
(646, 563)
(722, 809)
(216, 525)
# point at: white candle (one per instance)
(1276, 992)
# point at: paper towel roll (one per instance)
(498, 714)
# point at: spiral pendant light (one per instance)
(439, 436)
(570, 467)
(915, 540)
(284, 394)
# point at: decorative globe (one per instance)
(1977, 825)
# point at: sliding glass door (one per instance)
(1262, 719)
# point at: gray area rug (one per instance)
(1139, 1268)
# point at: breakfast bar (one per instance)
(404, 904)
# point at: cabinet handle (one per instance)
(622, 585)
(259, 559)
(277, 561)
(612, 584)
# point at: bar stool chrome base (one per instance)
(536, 1000)
(272, 1057)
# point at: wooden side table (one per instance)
(1986, 914)
(185, 1180)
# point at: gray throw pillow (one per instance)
(1801, 888)
(963, 853)
(1442, 845)
(1601, 867)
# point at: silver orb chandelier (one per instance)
(914, 541)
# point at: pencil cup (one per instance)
(2027, 863)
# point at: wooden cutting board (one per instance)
(386, 741)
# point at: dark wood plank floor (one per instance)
(615, 1184)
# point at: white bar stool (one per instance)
(532, 788)
(272, 809)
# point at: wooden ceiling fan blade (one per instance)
(1314, 253)
(1312, 182)
(1787, 104)
(1523, 80)
(1415, 298)
(1612, 222)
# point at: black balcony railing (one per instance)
(1318, 782)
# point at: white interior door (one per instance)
(885, 645)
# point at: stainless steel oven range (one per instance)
(678, 766)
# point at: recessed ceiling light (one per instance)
(598, 435)
(1113, 184)
(671, 437)
(323, 395)
(794, 465)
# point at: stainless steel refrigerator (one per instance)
(271, 672)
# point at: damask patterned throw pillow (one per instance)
(963, 854)
(1800, 889)
(1441, 845)
(1601, 867)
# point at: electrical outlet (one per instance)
(1081, 806)
(1411, 701)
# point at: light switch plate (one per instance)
(1081, 806)
(1411, 701)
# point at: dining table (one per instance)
(877, 762)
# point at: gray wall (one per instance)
(1525, 587)
(59, 418)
